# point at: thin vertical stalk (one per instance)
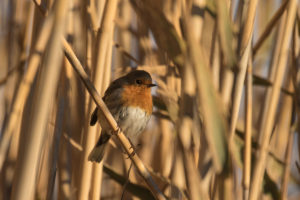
(283, 121)
(96, 181)
(215, 59)
(166, 154)
(27, 163)
(103, 38)
(55, 146)
(266, 128)
(124, 37)
(287, 162)
(97, 170)
(248, 132)
(289, 148)
(240, 77)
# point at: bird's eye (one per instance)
(138, 81)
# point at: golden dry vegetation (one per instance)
(226, 110)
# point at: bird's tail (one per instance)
(98, 152)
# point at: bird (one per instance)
(129, 100)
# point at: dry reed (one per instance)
(226, 110)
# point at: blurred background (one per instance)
(225, 122)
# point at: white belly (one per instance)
(132, 121)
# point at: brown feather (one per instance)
(138, 96)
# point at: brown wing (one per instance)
(115, 85)
(109, 97)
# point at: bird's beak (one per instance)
(151, 85)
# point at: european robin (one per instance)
(130, 102)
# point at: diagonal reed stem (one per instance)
(120, 135)
(269, 27)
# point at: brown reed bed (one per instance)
(226, 110)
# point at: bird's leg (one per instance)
(133, 148)
(116, 132)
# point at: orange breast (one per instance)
(138, 96)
